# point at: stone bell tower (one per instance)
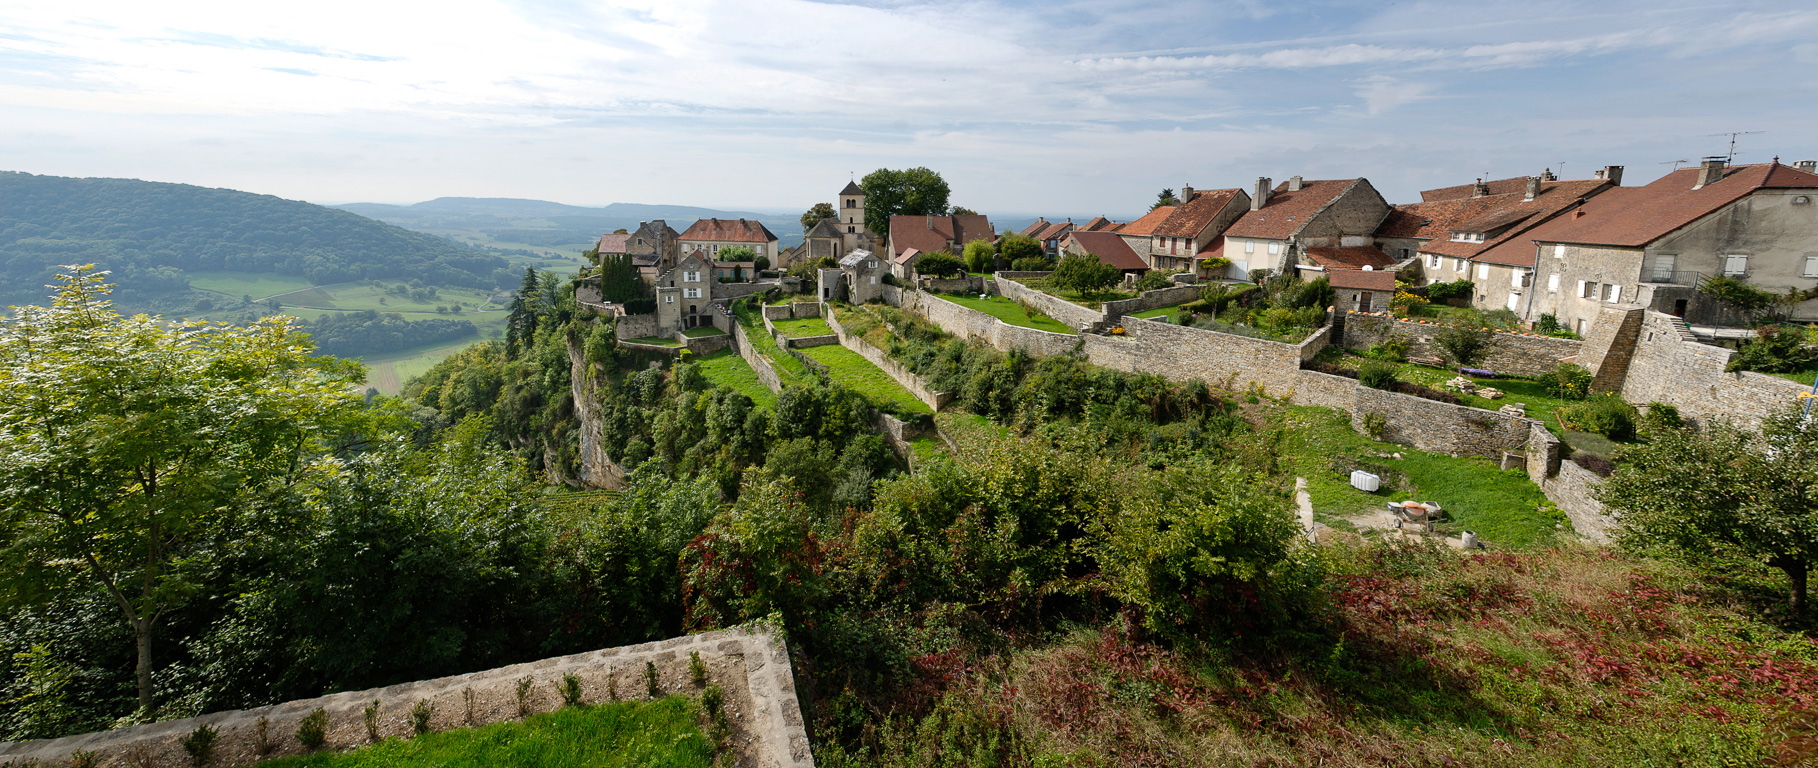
(852, 219)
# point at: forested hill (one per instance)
(543, 223)
(149, 233)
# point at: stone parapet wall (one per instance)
(751, 664)
(890, 367)
(638, 327)
(1160, 297)
(966, 322)
(792, 310)
(1069, 313)
(707, 344)
(967, 284)
(1182, 353)
(766, 373)
(730, 291)
(1439, 427)
(1671, 366)
(804, 342)
(1513, 354)
(897, 434)
(1572, 489)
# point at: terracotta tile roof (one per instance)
(728, 230)
(1213, 250)
(1514, 185)
(1286, 212)
(1097, 223)
(1632, 217)
(1362, 279)
(1497, 220)
(1486, 214)
(1055, 230)
(1108, 247)
(825, 228)
(1033, 229)
(1191, 217)
(852, 188)
(612, 243)
(907, 256)
(1350, 257)
(932, 233)
(1146, 225)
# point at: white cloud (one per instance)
(1382, 93)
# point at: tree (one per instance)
(980, 256)
(760, 263)
(1165, 198)
(620, 231)
(521, 323)
(816, 214)
(959, 211)
(619, 278)
(1013, 247)
(735, 253)
(1464, 345)
(914, 192)
(1755, 494)
(128, 446)
(1084, 274)
(939, 264)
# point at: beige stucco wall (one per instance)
(1603, 265)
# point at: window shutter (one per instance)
(1811, 266)
(1559, 250)
(1552, 282)
(1615, 293)
(1483, 271)
(1581, 292)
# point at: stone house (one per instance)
(1108, 247)
(903, 264)
(685, 294)
(863, 273)
(655, 247)
(1652, 245)
(938, 233)
(1363, 290)
(1140, 234)
(1285, 219)
(714, 235)
(824, 240)
(1052, 236)
(1191, 232)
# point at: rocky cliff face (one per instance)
(597, 471)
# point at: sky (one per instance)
(1062, 108)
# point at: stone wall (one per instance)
(1571, 490)
(1160, 297)
(967, 284)
(1439, 427)
(703, 345)
(971, 323)
(1181, 353)
(890, 367)
(897, 434)
(730, 291)
(793, 310)
(1670, 366)
(1513, 354)
(750, 663)
(639, 326)
(766, 373)
(1069, 313)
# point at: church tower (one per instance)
(852, 218)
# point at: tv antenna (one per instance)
(1676, 163)
(1731, 157)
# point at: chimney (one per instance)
(1809, 166)
(1186, 193)
(1611, 174)
(1533, 189)
(1709, 171)
(1480, 189)
(1547, 175)
(1293, 183)
(931, 221)
(1261, 197)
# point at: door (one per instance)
(1679, 308)
(1363, 301)
(1514, 300)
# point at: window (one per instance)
(1458, 265)
(1559, 250)
(1735, 265)
(871, 265)
(1483, 271)
(759, 250)
(1612, 293)
(1433, 261)
(1587, 289)
(691, 293)
(691, 277)
(1811, 266)
(1663, 267)
(670, 299)
(874, 279)
(1274, 248)
(1404, 254)
(1553, 282)
(849, 202)
(1249, 246)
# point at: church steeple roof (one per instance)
(852, 188)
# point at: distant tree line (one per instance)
(355, 334)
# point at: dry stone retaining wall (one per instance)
(1160, 297)
(1069, 313)
(971, 323)
(1513, 354)
(750, 663)
(761, 365)
(638, 327)
(1670, 366)
(1571, 490)
(889, 365)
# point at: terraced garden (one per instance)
(852, 370)
(801, 328)
(726, 368)
(1009, 312)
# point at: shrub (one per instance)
(199, 744)
(371, 716)
(651, 680)
(1393, 349)
(420, 713)
(1448, 291)
(1084, 274)
(1602, 414)
(1548, 325)
(524, 687)
(939, 264)
(1030, 264)
(1377, 374)
(1465, 346)
(1567, 381)
(696, 669)
(1407, 304)
(1660, 417)
(761, 263)
(312, 730)
(1154, 279)
(83, 758)
(262, 742)
(570, 690)
(1375, 424)
(980, 256)
(1775, 349)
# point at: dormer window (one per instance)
(1467, 237)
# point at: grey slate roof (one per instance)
(852, 188)
(854, 258)
(825, 228)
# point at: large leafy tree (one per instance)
(913, 192)
(1012, 247)
(816, 214)
(129, 445)
(1084, 274)
(1165, 197)
(1724, 487)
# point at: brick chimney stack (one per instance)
(1264, 186)
(1809, 166)
(1186, 193)
(1709, 171)
(1294, 183)
(1533, 190)
(1611, 174)
(1480, 189)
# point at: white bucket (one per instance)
(1469, 539)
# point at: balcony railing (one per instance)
(1670, 277)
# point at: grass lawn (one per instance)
(1502, 506)
(790, 298)
(971, 432)
(855, 372)
(726, 369)
(1088, 300)
(655, 341)
(787, 368)
(1803, 377)
(1009, 312)
(1532, 394)
(1167, 311)
(803, 327)
(927, 448)
(705, 330)
(660, 733)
